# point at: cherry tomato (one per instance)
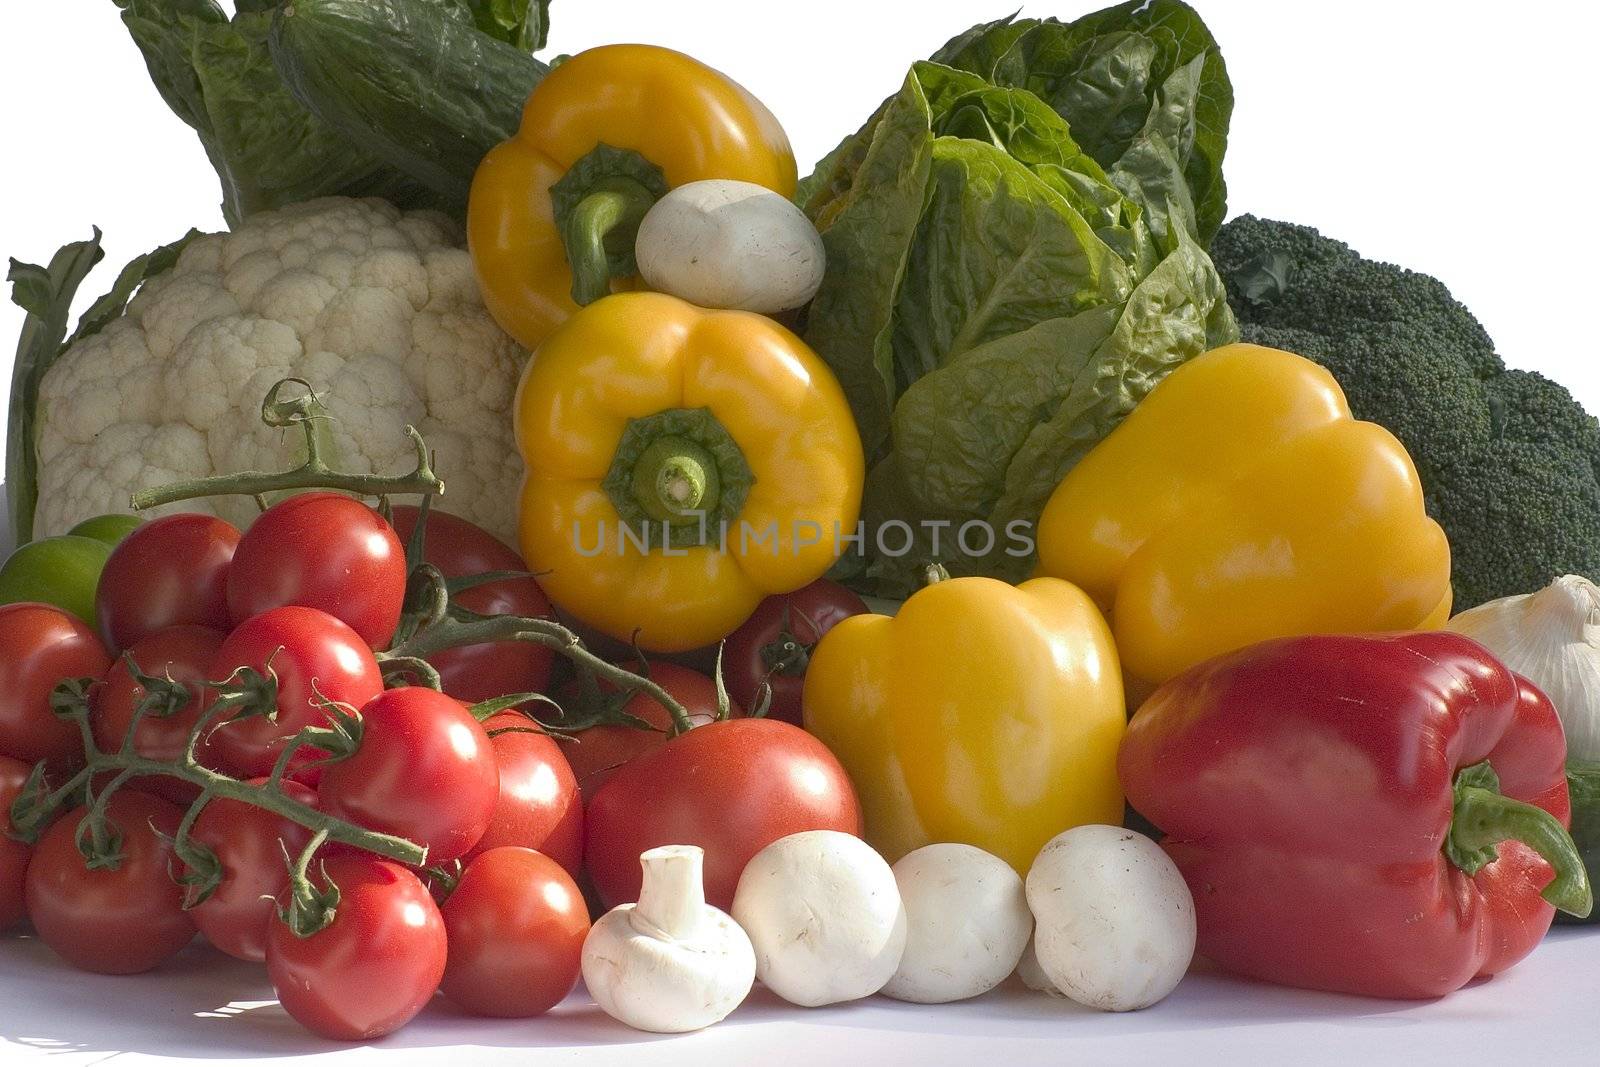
(305, 646)
(253, 846)
(538, 805)
(731, 787)
(375, 966)
(460, 549)
(182, 653)
(113, 920)
(323, 551)
(171, 571)
(597, 752)
(56, 570)
(516, 923)
(39, 646)
(14, 855)
(424, 770)
(774, 644)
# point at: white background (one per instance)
(1454, 138)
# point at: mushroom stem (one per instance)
(672, 899)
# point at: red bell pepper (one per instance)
(1374, 814)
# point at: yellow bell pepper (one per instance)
(682, 464)
(981, 713)
(1241, 501)
(553, 211)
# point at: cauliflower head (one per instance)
(376, 307)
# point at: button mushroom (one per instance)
(967, 922)
(1115, 926)
(670, 963)
(730, 244)
(824, 914)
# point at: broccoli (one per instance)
(1510, 462)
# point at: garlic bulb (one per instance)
(1551, 638)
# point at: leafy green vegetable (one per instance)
(46, 294)
(218, 77)
(1001, 291)
(524, 23)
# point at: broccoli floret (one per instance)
(1509, 461)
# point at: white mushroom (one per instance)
(823, 912)
(1033, 975)
(730, 244)
(967, 922)
(1114, 919)
(670, 963)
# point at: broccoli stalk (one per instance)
(1509, 461)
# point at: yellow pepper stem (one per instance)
(600, 233)
(676, 480)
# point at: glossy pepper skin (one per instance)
(1241, 501)
(1329, 801)
(686, 119)
(981, 713)
(649, 427)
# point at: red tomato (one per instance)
(774, 644)
(423, 770)
(516, 923)
(375, 966)
(118, 920)
(304, 646)
(39, 646)
(169, 572)
(482, 672)
(597, 752)
(183, 653)
(324, 551)
(254, 847)
(730, 787)
(14, 855)
(538, 805)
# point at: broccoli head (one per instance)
(1509, 461)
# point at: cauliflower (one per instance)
(376, 307)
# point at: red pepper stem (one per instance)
(1484, 818)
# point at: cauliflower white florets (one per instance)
(377, 308)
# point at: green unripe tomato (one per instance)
(108, 528)
(64, 571)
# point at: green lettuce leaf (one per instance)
(218, 77)
(524, 23)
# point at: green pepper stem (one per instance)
(1484, 817)
(676, 481)
(603, 226)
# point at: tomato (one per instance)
(538, 805)
(57, 570)
(597, 752)
(482, 672)
(182, 653)
(171, 571)
(516, 923)
(14, 855)
(254, 847)
(731, 787)
(375, 966)
(424, 770)
(113, 920)
(774, 644)
(39, 646)
(324, 551)
(305, 647)
(111, 529)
